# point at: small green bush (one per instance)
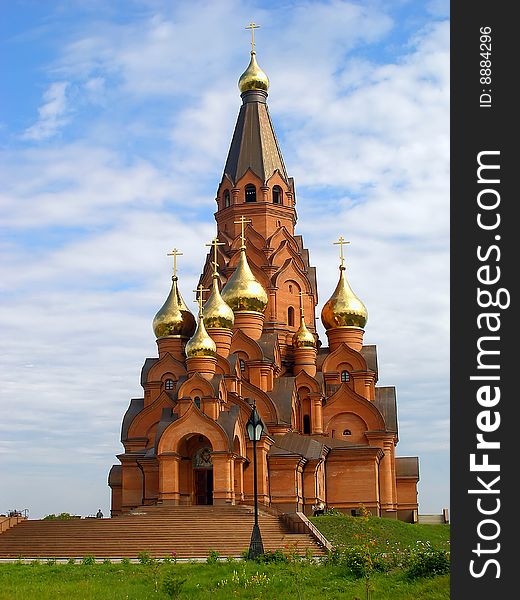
(145, 558)
(71, 561)
(88, 560)
(428, 562)
(213, 557)
(125, 561)
(273, 556)
(172, 584)
(51, 562)
(107, 561)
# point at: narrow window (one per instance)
(277, 194)
(227, 199)
(169, 384)
(344, 376)
(290, 316)
(290, 289)
(197, 401)
(250, 193)
(242, 365)
(306, 424)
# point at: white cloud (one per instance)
(52, 114)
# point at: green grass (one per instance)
(344, 530)
(292, 581)
(296, 580)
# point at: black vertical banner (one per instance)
(485, 262)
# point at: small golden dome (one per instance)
(242, 292)
(303, 338)
(253, 78)
(200, 344)
(174, 319)
(217, 314)
(344, 308)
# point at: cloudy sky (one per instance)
(115, 123)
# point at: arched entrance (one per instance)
(196, 470)
(203, 476)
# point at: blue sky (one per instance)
(115, 124)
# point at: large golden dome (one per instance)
(303, 338)
(174, 319)
(217, 314)
(344, 308)
(253, 78)
(242, 292)
(200, 344)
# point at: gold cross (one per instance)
(215, 243)
(341, 241)
(252, 26)
(199, 291)
(242, 222)
(302, 294)
(175, 253)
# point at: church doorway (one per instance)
(203, 477)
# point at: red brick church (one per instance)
(330, 431)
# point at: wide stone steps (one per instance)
(189, 531)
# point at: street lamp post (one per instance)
(255, 428)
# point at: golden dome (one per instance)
(303, 338)
(200, 344)
(253, 78)
(242, 292)
(217, 314)
(344, 308)
(174, 319)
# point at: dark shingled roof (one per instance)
(227, 420)
(167, 417)
(281, 395)
(386, 402)
(407, 466)
(115, 476)
(295, 443)
(267, 343)
(254, 145)
(148, 364)
(136, 406)
(369, 353)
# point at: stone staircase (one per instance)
(432, 519)
(189, 531)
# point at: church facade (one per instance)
(330, 432)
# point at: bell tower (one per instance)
(255, 189)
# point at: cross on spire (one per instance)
(199, 291)
(214, 244)
(243, 221)
(252, 26)
(175, 253)
(302, 294)
(341, 242)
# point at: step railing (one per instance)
(297, 522)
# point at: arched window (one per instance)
(242, 365)
(345, 376)
(227, 199)
(347, 432)
(290, 316)
(197, 401)
(169, 384)
(306, 424)
(250, 193)
(277, 195)
(290, 289)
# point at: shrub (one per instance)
(357, 560)
(88, 560)
(428, 562)
(213, 557)
(107, 561)
(172, 584)
(125, 561)
(333, 557)
(71, 561)
(145, 558)
(64, 516)
(51, 562)
(273, 556)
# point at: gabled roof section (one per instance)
(254, 145)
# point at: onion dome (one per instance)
(200, 344)
(174, 319)
(344, 308)
(242, 292)
(217, 314)
(253, 78)
(303, 338)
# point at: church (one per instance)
(330, 432)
